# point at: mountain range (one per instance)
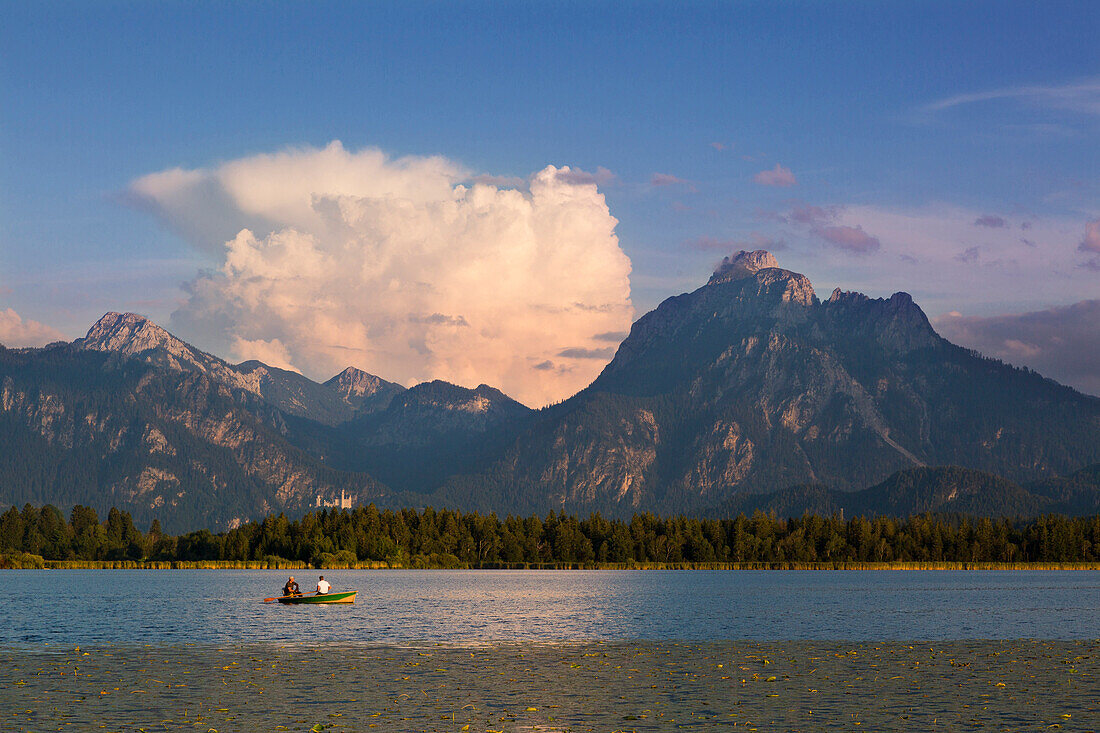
(748, 393)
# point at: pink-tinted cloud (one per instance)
(849, 239)
(720, 146)
(813, 215)
(667, 179)
(1062, 343)
(16, 332)
(1091, 242)
(777, 176)
(988, 220)
(403, 269)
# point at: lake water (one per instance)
(74, 607)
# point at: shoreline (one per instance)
(35, 562)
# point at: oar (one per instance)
(269, 600)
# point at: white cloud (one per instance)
(1082, 97)
(15, 332)
(273, 353)
(333, 258)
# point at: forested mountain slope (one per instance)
(752, 384)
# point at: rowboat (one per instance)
(345, 596)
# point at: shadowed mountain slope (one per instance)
(748, 392)
(752, 384)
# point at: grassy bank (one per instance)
(30, 562)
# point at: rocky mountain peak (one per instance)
(896, 322)
(772, 284)
(129, 333)
(742, 265)
(362, 390)
(354, 382)
(846, 296)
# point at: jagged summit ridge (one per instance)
(354, 382)
(362, 390)
(772, 282)
(742, 265)
(129, 333)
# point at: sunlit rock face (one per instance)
(742, 265)
(362, 391)
(749, 384)
(752, 384)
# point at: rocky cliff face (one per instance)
(80, 425)
(752, 384)
(363, 392)
(128, 335)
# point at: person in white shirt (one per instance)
(323, 586)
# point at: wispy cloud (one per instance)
(605, 352)
(824, 222)
(667, 179)
(1081, 96)
(988, 220)
(850, 239)
(970, 254)
(777, 176)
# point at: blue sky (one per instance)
(947, 149)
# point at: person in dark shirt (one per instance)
(291, 588)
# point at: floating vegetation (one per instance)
(553, 688)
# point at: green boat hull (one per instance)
(347, 596)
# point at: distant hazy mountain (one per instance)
(749, 392)
(940, 490)
(425, 435)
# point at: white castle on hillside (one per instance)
(344, 502)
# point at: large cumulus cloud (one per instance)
(401, 267)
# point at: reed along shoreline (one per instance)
(427, 563)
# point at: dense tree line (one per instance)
(431, 537)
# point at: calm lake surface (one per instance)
(72, 607)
